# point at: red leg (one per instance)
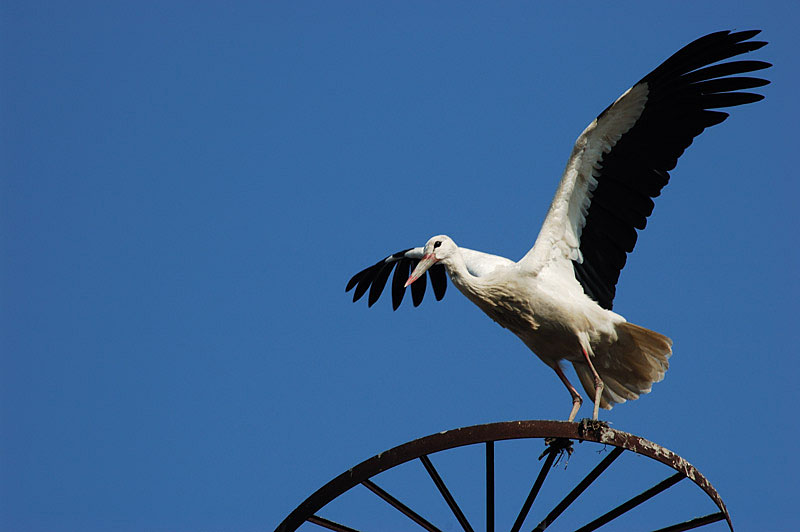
(598, 385)
(576, 397)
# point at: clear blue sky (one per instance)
(185, 189)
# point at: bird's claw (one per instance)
(587, 426)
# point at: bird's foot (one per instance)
(587, 426)
(559, 446)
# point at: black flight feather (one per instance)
(682, 92)
(375, 277)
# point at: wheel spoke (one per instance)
(408, 512)
(633, 503)
(330, 525)
(577, 490)
(537, 485)
(489, 486)
(448, 497)
(694, 523)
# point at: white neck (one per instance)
(457, 269)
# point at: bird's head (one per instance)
(438, 248)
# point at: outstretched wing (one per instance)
(374, 278)
(622, 160)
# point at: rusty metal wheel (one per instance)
(499, 493)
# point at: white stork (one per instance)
(558, 298)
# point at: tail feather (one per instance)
(630, 366)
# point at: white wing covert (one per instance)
(623, 158)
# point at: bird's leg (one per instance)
(598, 385)
(576, 397)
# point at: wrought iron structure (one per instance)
(558, 435)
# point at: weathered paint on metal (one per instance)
(449, 439)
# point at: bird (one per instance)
(558, 298)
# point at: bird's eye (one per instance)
(437, 244)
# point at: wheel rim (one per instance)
(559, 436)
